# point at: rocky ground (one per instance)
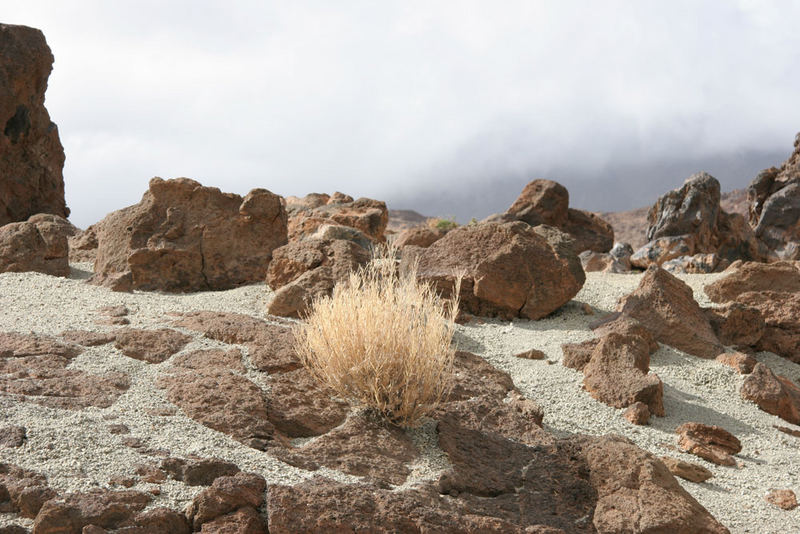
(140, 426)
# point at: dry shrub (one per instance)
(382, 340)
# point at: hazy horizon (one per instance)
(446, 108)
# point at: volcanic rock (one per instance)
(784, 499)
(303, 270)
(331, 232)
(781, 277)
(186, 237)
(308, 214)
(663, 250)
(774, 394)
(637, 413)
(686, 470)
(736, 324)
(38, 244)
(245, 520)
(31, 155)
(509, 269)
(196, 471)
(419, 236)
(100, 508)
(602, 262)
(227, 494)
(87, 338)
(665, 305)
(34, 368)
(577, 355)
(774, 197)
(152, 346)
(531, 354)
(83, 245)
(709, 442)
(23, 491)
(546, 202)
(742, 363)
(697, 264)
(12, 436)
(230, 359)
(473, 376)
(299, 406)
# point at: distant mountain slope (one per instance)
(400, 220)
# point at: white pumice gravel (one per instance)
(76, 452)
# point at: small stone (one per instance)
(12, 436)
(637, 413)
(532, 354)
(711, 443)
(686, 470)
(586, 309)
(742, 363)
(118, 429)
(785, 499)
(119, 480)
(790, 431)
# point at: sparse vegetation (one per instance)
(445, 224)
(382, 340)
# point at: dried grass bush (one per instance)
(382, 340)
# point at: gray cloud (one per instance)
(418, 103)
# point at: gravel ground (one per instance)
(75, 451)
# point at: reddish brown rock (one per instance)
(37, 244)
(473, 377)
(662, 250)
(531, 354)
(242, 521)
(87, 338)
(602, 262)
(151, 346)
(119, 429)
(782, 276)
(34, 368)
(709, 442)
(774, 394)
(99, 508)
(269, 346)
(637, 413)
(509, 269)
(186, 237)
(617, 375)
(736, 324)
(419, 236)
(223, 401)
(774, 197)
(308, 214)
(697, 264)
(362, 446)
(784, 499)
(743, 363)
(230, 359)
(303, 270)
(577, 355)
(23, 491)
(12, 436)
(625, 325)
(299, 406)
(227, 494)
(83, 245)
(665, 305)
(790, 431)
(686, 470)
(637, 493)
(546, 202)
(158, 521)
(196, 471)
(31, 155)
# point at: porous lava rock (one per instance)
(666, 307)
(687, 470)
(308, 214)
(784, 499)
(742, 363)
(774, 211)
(689, 221)
(74, 512)
(23, 491)
(87, 338)
(152, 346)
(547, 202)
(183, 236)
(508, 269)
(309, 268)
(772, 289)
(196, 471)
(269, 346)
(772, 393)
(12, 436)
(419, 236)
(710, 442)
(31, 155)
(736, 324)
(637, 413)
(34, 368)
(38, 244)
(227, 495)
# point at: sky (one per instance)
(445, 107)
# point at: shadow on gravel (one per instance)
(77, 273)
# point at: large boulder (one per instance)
(186, 237)
(774, 197)
(689, 221)
(38, 244)
(305, 269)
(309, 213)
(547, 202)
(772, 393)
(665, 305)
(31, 155)
(508, 269)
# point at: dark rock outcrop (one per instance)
(31, 155)
(185, 237)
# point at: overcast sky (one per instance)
(443, 107)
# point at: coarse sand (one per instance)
(76, 452)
